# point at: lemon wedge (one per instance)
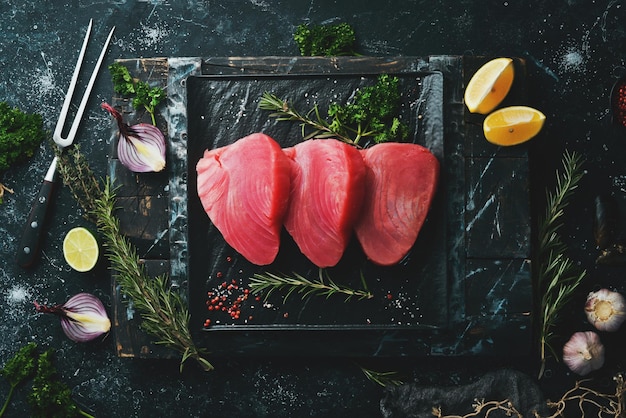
(489, 85)
(80, 249)
(513, 125)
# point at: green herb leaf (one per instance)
(325, 40)
(148, 97)
(144, 96)
(123, 82)
(51, 398)
(20, 135)
(18, 369)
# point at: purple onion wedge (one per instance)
(141, 147)
(83, 317)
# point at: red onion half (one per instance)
(141, 147)
(83, 317)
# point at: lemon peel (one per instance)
(513, 125)
(489, 85)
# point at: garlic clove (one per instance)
(583, 353)
(605, 309)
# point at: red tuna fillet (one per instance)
(400, 183)
(244, 188)
(326, 195)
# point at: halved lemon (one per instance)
(489, 85)
(513, 125)
(80, 249)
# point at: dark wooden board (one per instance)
(490, 292)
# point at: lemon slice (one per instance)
(489, 85)
(513, 125)
(80, 249)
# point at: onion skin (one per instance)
(83, 317)
(583, 353)
(141, 147)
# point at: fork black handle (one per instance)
(28, 249)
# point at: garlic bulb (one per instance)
(583, 353)
(606, 310)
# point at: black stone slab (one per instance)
(458, 318)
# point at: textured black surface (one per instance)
(216, 119)
(575, 50)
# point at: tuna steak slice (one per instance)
(326, 195)
(400, 183)
(244, 188)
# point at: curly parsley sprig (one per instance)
(325, 40)
(144, 95)
(18, 369)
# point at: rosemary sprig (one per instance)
(270, 283)
(383, 379)
(163, 311)
(283, 111)
(557, 277)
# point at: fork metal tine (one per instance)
(57, 136)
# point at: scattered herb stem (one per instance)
(3, 189)
(557, 277)
(384, 379)
(269, 283)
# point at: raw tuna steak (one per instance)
(326, 195)
(400, 184)
(244, 188)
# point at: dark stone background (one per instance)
(575, 50)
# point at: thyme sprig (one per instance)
(269, 283)
(558, 277)
(164, 312)
(78, 176)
